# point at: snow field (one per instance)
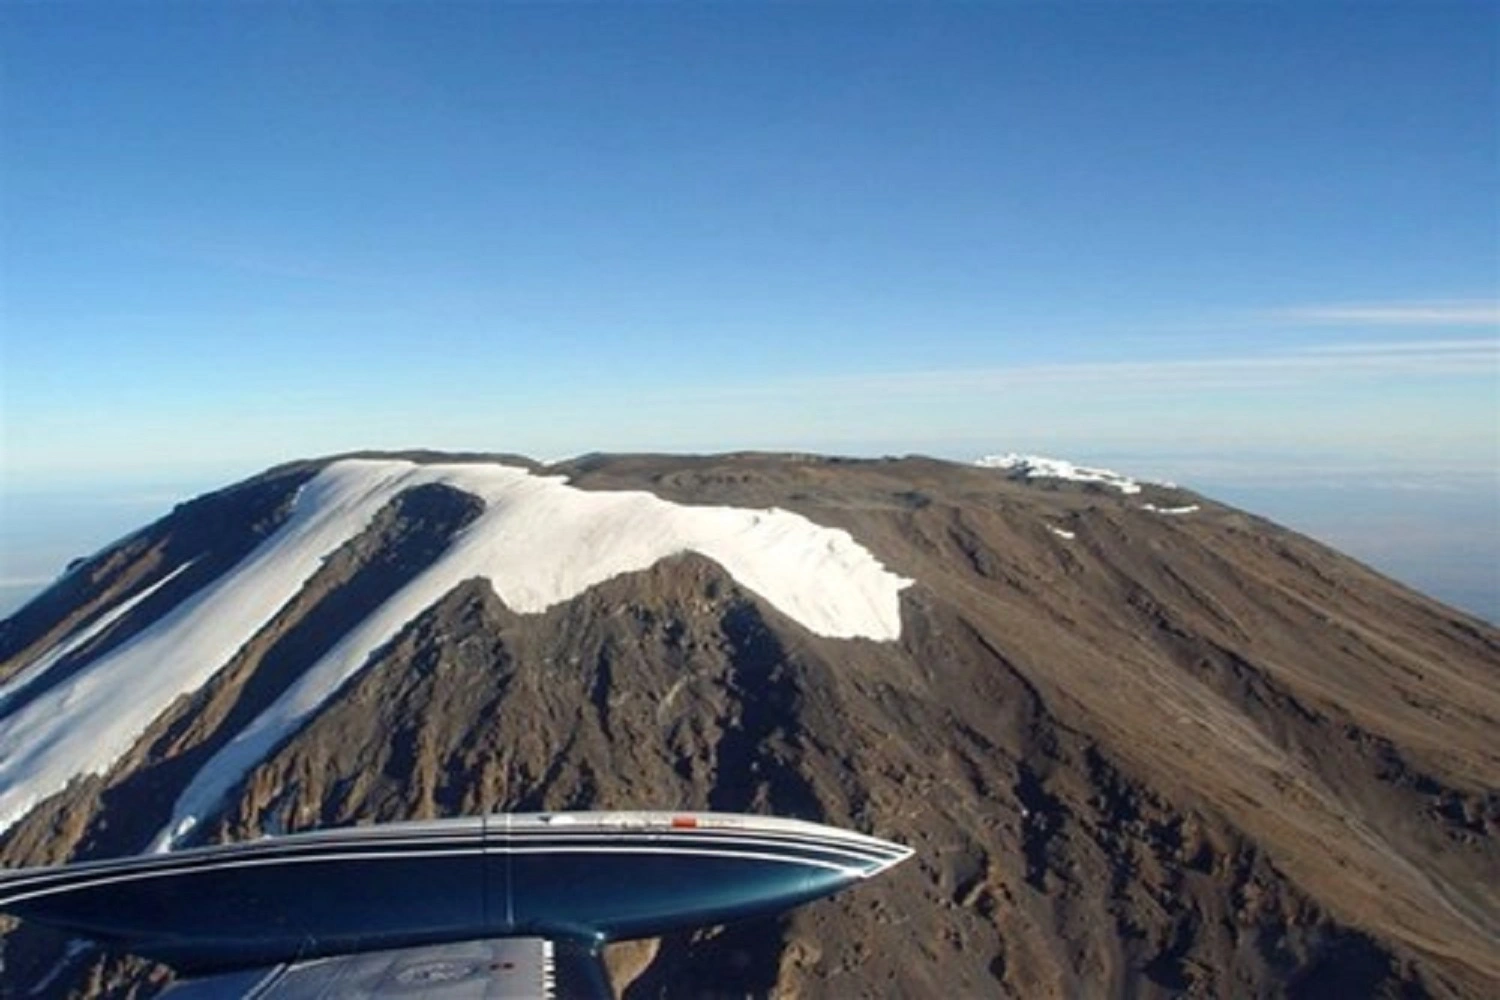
(539, 542)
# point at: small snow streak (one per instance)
(1191, 508)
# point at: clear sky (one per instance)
(1223, 241)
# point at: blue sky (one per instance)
(1235, 243)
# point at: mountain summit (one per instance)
(1144, 744)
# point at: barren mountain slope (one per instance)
(1138, 753)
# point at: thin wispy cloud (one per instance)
(1487, 346)
(1303, 365)
(1463, 313)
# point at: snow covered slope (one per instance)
(538, 542)
(79, 639)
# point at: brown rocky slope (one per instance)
(1171, 755)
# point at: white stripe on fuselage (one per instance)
(268, 853)
(84, 882)
(871, 851)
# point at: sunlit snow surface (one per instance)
(77, 640)
(1191, 508)
(539, 541)
(1037, 467)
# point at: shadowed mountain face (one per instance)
(1138, 753)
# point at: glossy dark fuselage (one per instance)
(590, 877)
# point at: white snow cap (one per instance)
(1037, 467)
(538, 541)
